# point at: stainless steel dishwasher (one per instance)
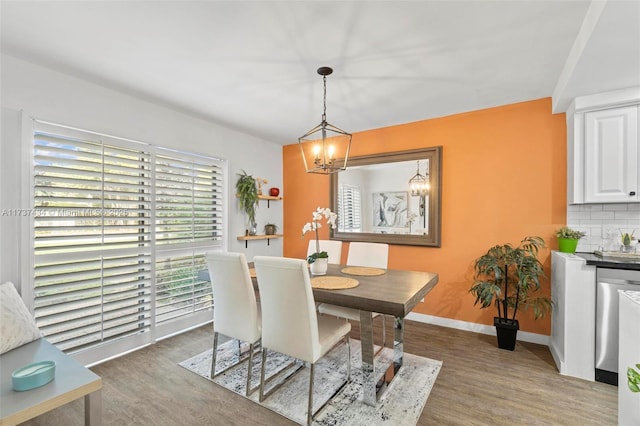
(608, 282)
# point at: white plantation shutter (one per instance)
(92, 254)
(188, 200)
(349, 208)
(119, 235)
(179, 290)
(90, 300)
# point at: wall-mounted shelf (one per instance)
(247, 238)
(269, 198)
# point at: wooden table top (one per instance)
(395, 293)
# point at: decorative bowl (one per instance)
(33, 376)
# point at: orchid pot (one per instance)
(319, 266)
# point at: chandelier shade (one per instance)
(325, 148)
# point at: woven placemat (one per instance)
(252, 272)
(363, 271)
(333, 283)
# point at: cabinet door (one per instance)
(611, 155)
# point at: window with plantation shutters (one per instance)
(349, 208)
(119, 235)
(188, 213)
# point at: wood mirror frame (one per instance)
(432, 238)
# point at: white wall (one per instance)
(53, 96)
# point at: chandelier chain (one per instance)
(324, 100)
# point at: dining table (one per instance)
(394, 292)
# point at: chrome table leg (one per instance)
(372, 389)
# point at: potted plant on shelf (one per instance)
(248, 196)
(319, 260)
(568, 239)
(270, 229)
(506, 277)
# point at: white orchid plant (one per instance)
(314, 225)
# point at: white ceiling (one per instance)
(252, 65)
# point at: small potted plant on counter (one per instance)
(627, 239)
(506, 277)
(568, 239)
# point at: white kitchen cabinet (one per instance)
(573, 318)
(611, 155)
(604, 148)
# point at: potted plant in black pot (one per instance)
(568, 239)
(506, 277)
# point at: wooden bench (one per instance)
(72, 381)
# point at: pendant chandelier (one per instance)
(328, 144)
(419, 184)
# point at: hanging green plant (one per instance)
(247, 195)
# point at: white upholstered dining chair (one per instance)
(373, 255)
(332, 247)
(235, 312)
(289, 321)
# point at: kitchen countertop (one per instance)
(609, 262)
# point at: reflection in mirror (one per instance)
(393, 198)
(377, 198)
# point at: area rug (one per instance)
(401, 404)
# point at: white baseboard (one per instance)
(524, 336)
(557, 358)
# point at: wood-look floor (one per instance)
(479, 384)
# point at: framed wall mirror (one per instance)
(381, 198)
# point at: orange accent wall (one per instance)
(504, 177)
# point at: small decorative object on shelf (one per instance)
(318, 261)
(568, 239)
(260, 182)
(274, 192)
(270, 229)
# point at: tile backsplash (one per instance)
(600, 221)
